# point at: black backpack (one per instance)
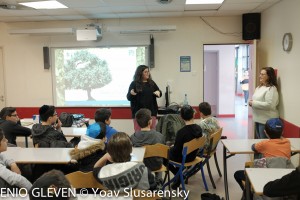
(209, 196)
(66, 119)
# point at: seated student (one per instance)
(208, 123)
(189, 132)
(49, 133)
(10, 123)
(286, 186)
(146, 136)
(122, 173)
(12, 177)
(90, 148)
(104, 115)
(48, 185)
(276, 146)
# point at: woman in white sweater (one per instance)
(10, 178)
(265, 100)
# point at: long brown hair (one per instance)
(272, 79)
(138, 77)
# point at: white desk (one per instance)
(138, 154)
(39, 155)
(243, 146)
(55, 155)
(258, 177)
(73, 131)
(295, 143)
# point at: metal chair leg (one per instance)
(203, 177)
(217, 164)
(209, 173)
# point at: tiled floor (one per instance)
(234, 128)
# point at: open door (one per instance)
(252, 84)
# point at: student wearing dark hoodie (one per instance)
(189, 132)
(49, 133)
(10, 123)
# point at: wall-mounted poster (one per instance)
(185, 63)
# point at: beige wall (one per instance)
(28, 84)
(283, 18)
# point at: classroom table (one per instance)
(258, 177)
(54, 155)
(39, 155)
(72, 131)
(243, 146)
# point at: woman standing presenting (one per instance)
(265, 100)
(142, 93)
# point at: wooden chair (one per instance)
(212, 151)
(188, 147)
(80, 179)
(162, 151)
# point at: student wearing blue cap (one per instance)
(276, 147)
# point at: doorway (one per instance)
(223, 70)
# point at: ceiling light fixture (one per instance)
(44, 5)
(204, 1)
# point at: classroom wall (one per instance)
(283, 18)
(28, 84)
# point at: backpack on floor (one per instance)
(209, 196)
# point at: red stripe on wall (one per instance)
(117, 112)
(290, 130)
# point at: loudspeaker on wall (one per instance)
(151, 52)
(46, 54)
(251, 26)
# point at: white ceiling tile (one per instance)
(97, 9)
(132, 15)
(162, 9)
(199, 13)
(240, 6)
(129, 9)
(202, 7)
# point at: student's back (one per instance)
(142, 138)
(275, 146)
(121, 173)
(146, 136)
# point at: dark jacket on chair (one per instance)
(47, 136)
(186, 134)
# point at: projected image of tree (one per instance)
(84, 70)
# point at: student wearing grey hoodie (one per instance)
(146, 136)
